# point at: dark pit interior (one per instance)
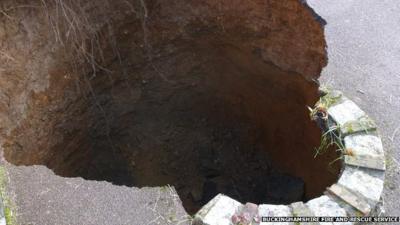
(204, 114)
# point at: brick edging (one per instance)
(357, 191)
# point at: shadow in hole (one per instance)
(184, 135)
(219, 124)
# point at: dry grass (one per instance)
(331, 137)
(73, 28)
(82, 30)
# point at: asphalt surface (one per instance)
(42, 198)
(363, 38)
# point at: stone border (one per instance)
(357, 192)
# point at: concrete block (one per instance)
(324, 207)
(350, 118)
(218, 211)
(366, 151)
(368, 183)
(345, 112)
(350, 198)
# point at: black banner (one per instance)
(366, 219)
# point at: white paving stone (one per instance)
(366, 161)
(344, 112)
(266, 210)
(325, 207)
(218, 211)
(366, 182)
(367, 151)
(364, 144)
(358, 202)
(351, 211)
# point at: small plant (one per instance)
(330, 137)
(331, 132)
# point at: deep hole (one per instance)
(205, 115)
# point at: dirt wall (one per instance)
(74, 79)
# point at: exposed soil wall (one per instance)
(208, 94)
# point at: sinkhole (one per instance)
(183, 101)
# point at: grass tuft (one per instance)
(331, 132)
